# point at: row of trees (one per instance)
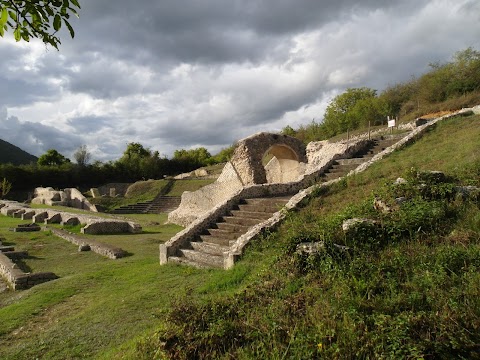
(136, 163)
(358, 107)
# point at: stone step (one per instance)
(232, 227)
(260, 208)
(5, 248)
(216, 240)
(251, 214)
(224, 234)
(184, 261)
(14, 255)
(274, 201)
(341, 169)
(340, 166)
(203, 258)
(353, 161)
(209, 248)
(241, 221)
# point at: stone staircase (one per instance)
(163, 204)
(342, 167)
(208, 248)
(158, 205)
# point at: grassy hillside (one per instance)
(11, 154)
(148, 190)
(412, 294)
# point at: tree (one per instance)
(40, 19)
(194, 157)
(52, 158)
(5, 187)
(338, 116)
(82, 155)
(135, 150)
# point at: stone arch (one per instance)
(249, 153)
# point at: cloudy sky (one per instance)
(175, 74)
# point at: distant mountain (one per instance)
(12, 154)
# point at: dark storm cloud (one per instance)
(211, 31)
(90, 124)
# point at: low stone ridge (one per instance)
(106, 250)
(16, 278)
(26, 228)
(93, 224)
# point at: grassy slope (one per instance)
(100, 307)
(148, 190)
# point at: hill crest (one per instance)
(10, 153)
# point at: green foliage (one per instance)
(37, 19)
(401, 297)
(223, 156)
(5, 187)
(448, 86)
(344, 110)
(193, 158)
(52, 158)
(138, 162)
(82, 156)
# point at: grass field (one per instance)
(102, 308)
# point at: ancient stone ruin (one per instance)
(68, 197)
(92, 224)
(271, 160)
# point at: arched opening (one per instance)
(281, 164)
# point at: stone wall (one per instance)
(17, 279)
(106, 250)
(120, 188)
(198, 202)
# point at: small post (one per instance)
(348, 134)
(369, 130)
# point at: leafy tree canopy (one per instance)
(338, 115)
(40, 19)
(135, 150)
(82, 155)
(197, 156)
(52, 158)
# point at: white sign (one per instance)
(391, 122)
